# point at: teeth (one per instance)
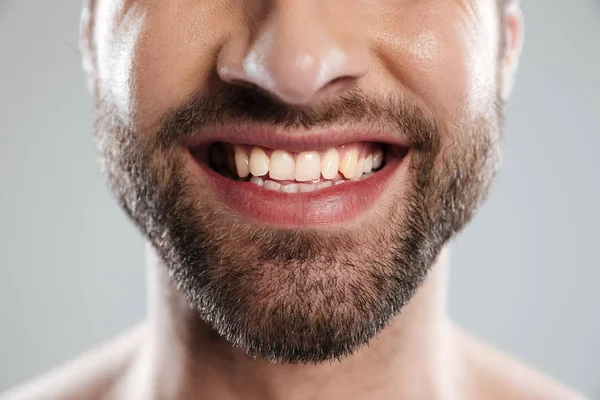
(323, 185)
(272, 185)
(365, 176)
(271, 172)
(282, 166)
(377, 158)
(330, 162)
(368, 164)
(308, 166)
(290, 188)
(360, 166)
(348, 163)
(259, 162)
(257, 181)
(306, 187)
(241, 162)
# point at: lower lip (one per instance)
(333, 205)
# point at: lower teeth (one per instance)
(300, 187)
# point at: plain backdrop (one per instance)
(525, 273)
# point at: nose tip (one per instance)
(291, 79)
(296, 68)
(309, 77)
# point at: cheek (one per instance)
(116, 33)
(440, 53)
(155, 54)
(175, 57)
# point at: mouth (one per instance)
(280, 185)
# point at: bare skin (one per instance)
(148, 56)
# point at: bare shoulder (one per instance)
(497, 376)
(90, 376)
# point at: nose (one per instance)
(298, 54)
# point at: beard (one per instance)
(299, 295)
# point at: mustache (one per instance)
(227, 105)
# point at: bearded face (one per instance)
(298, 173)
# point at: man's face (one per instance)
(298, 165)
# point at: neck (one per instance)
(183, 358)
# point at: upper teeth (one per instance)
(351, 161)
(259, 162)
(330, 164)
(241, 163)
(281, 165)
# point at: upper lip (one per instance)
(294, 140)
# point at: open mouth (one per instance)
(298, 186)
(308, 171)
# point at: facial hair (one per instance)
(298, 295)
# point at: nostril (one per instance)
(338, 84)
(340, 80)
(244, 84)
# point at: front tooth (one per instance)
(281, 166)
(308, 166)
(368, 164)
(360, 166)
(272, 185)
(306, 187)
(377, 158)
(257, 181)
(291, 188)
(348, 163)
(259, 162)
(241, 162)
(330, 162)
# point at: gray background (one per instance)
(524, 273)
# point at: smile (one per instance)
(271, 181)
